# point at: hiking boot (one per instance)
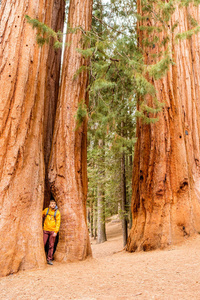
(49, 262)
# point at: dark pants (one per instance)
(46, 235)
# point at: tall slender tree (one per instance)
(124, 193)
(101, 217)
(166, 174)
(23, 84)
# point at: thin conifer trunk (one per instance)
(101, 220)
(123, 193)
(130, 165)
(92, 218)
(95, 219)
(124, 200)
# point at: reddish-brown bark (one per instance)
(51, 90)
(166, 174)
(23, 77)
(67, 170)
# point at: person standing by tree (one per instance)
(51, 227)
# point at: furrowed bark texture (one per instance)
(23, 68)
(166, 173)
(68, 172)
(51, 90)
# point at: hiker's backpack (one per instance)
(56, 208)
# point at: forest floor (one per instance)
(113, 274)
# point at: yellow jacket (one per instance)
(50, 224)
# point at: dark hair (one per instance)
(52, 200)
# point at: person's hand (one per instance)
(54, 234)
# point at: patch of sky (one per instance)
(121, 15)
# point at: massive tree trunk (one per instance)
(23, 71)
(51, 90)
(166, 174)
(68, 169)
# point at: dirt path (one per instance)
(112, 275)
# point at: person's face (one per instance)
(52, 204)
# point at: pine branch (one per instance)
(44, 33)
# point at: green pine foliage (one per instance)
(115, 61)
(81, 114)
(159, 70)
(188, 34)
(45, 33)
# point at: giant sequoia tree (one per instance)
(166, 174)
(23, 87)
(29, 92)
(68, 162)
(52, 90)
